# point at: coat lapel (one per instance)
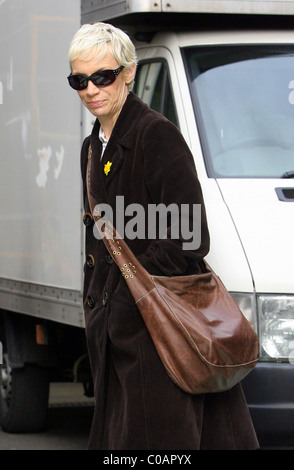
(96, 185)
(111, 162)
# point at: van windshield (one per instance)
(244, 105)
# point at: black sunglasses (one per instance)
(100, 79)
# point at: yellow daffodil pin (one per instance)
(107, 167)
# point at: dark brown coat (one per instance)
(137, 405)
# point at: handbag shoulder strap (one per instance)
(138, 279)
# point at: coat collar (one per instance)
(127, 120)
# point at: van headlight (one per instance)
(272, 317)
(276, 327)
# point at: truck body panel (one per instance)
(41, 252)
(40, 220)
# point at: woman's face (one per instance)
(103, 102)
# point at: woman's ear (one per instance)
(130, 73)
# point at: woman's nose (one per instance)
(92, 89)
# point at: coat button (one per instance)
(88, 219)
(90, 301)
(108, 259)
(105, 298)
(90, 261)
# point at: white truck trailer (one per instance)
(223, 72)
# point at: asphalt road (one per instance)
(68, 423)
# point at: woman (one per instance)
(140, 155)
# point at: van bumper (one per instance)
(269, 390)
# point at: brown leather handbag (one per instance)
(203, 340)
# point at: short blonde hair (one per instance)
(94, 40)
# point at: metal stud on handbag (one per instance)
(202, 338)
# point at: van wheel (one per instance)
(24, 396)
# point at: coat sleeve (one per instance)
(171, 180)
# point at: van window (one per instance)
(152, 85)
(244, 105)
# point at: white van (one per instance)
(232, 96)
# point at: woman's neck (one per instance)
(107, 126)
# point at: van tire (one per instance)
(24, 394)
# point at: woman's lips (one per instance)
(96, 104)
